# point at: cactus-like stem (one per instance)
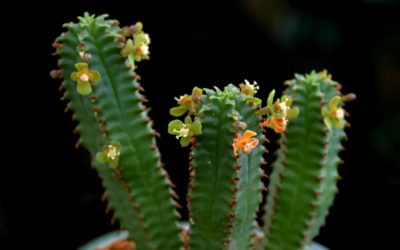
(113, 112)
(250, 186)
(211, 194)
(303, 180)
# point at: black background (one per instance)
(50, 197)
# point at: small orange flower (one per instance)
(278, 124)
(245, 143)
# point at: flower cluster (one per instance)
(187, 103)
(185, 131)
(137, 47)
(250, 90)
(334, 114)
(278, 112)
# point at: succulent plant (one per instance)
(225, 130)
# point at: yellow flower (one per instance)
(187, 103)
(334, 114)
(84, 76)
(110, 154)
(244, 143)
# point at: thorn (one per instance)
(148, 119)
(138, 86)
(338, 86)
(143, 98)
(62, 85)
(78, 143)
(155, 133)
(57, 45)
(174, 195)
(73, 117)
(230, 216)
(104, 133)
(130, 197)
(66, 109)
(137, 77)
(226, 241)
(108, 209)
(113, 221)
(135, 207)
(75, 131)
(145, 109)
(317, 194)
(177, 205)
(93, 99)
(101, 122)
(264, 188)
(323, 102)
(232, 203)
(171, 185)
(56, 74)
(341, 161)
(104, 197)
(96, 112)
(338, 177)
(320, 178)
(234, 189)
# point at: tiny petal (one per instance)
(75, 76)
(174, 125)
(196, 127)
(84, 88)
(81, 66)
(101, 157)
(94, 75)
(178, 111)
(185, 141)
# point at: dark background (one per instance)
(50, 197)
